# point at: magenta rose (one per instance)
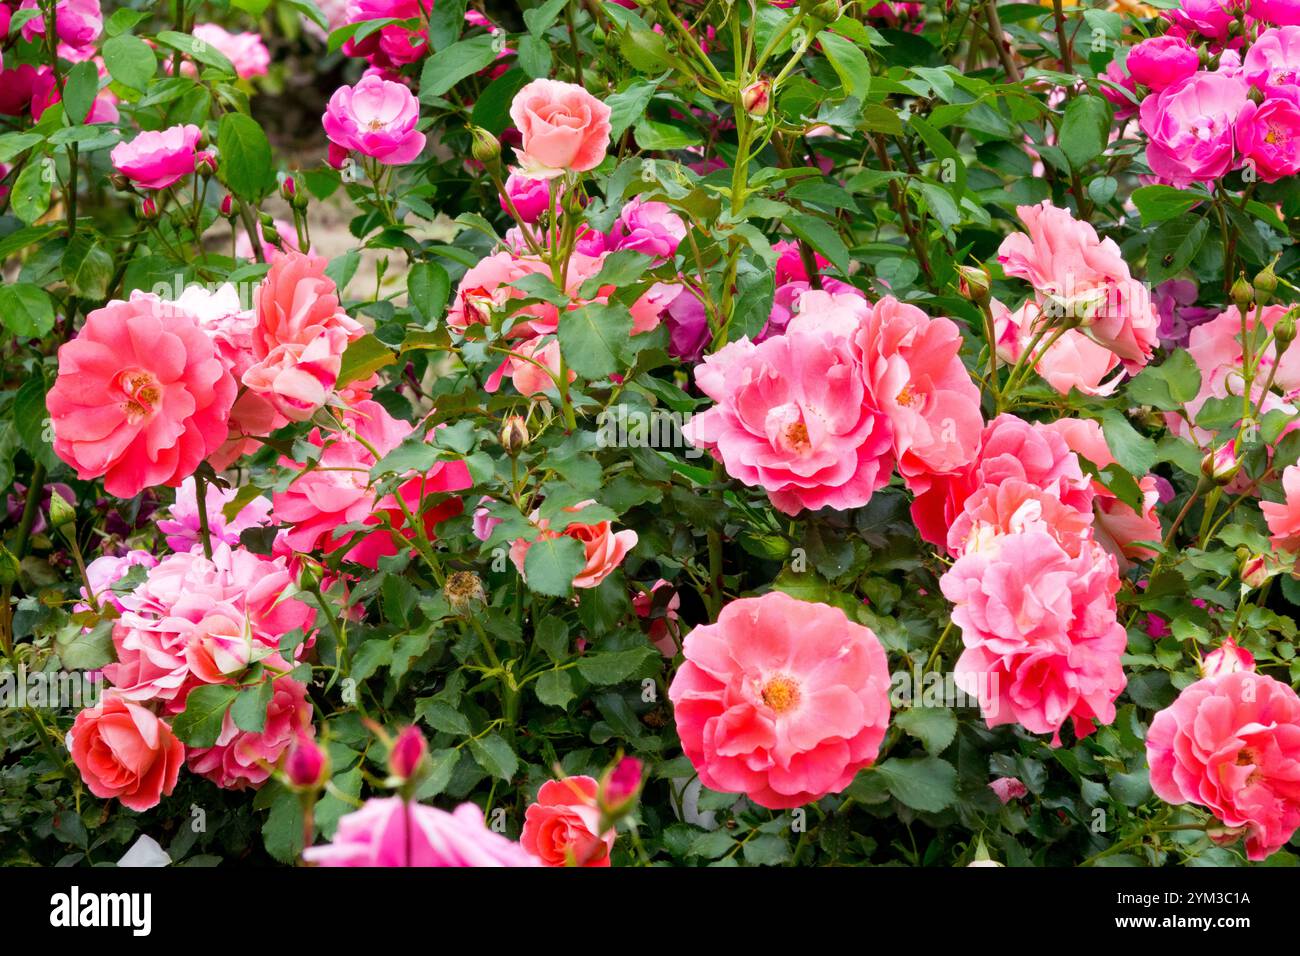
(1268, 137)
(1161, 62)
(155, 160)
(1273, 60)
(1190, 128)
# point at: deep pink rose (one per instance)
(1232, 744)
(376, 118)
(1268, 136)
(155, 160)
(531, 197)
(1161, 62)
(1189, 128)
(1273, 61)
(781, 700)
(649, 227)
(564, 128)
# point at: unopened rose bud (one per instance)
(288, 189)
(1284, 331)
(514, 435)
(228, 206)
(148, 209)
(757, 98)
(1255, 571)
(272, 235)
(486, 148)
(118, 181)
(62, 511)
(974, 283)
(307, 765)
(1222, 464)
(1227, 659)
(464, 591)
(1265, 284)
(619, 788)
(205, 164)
(407, 753)
(1243, 294)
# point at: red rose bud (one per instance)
(148, 209)
(307, 765)
(407, 753)
(1255, 571)
(974, 283)
(757, 98)
(228, 206)
(205, 163)
(619, 787)
(1222, 464)
(288, 189)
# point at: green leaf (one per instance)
(551, 565)
(850, 63)
(1085, 130)
(87, 649)
(249, 709)
(552, 636)
(79, 89)
(768, 849)
(555, 689)
(534, 56)
(933, 726)
(198, 51)
(450, 66)
(363, 358)
(1133, 450)
(26, 310)
(442, 716)
(30, 198)
(87, 268)
(495, 756)
(427, 288)
(245, 156)
(1162, 203)
(822, 236)
(610, 667)
(1174, 245)
(593, 336)
(199, 724)
(927, 784)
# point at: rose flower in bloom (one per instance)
(1231, 743)
(561, 827)
(781, 700)
(141, 397)
(245, 758)
(125, 751)
(389, 831)
(603, 547)
(156, 160)
(376, 118)
(564, 129)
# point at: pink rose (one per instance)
(182, 527)
(1008, 788)
(1284, 517)
(1072, 361)
(793, 416)
(107, 570)
(1161, 62)
(245, 50)
(1232, 744)
(1281, 12)
(155, 160)
(1189, 128)
(562, 827)
(781, 700)
(1272, 63)
(664, 630)
(1209, 17)
(1077, 275)
(241, 759)
(564, 128)
(141, 397)
(376, 118)
(1042, 642)
(1268, 136)
(1228, 658)
(125, 751)
(605, 549)
(531, 197)
(77, 23)
(649, 227)
(300, 336)
(388, 831)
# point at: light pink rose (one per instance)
(245, 50)
(781, 700)
(604, 548)
(1008, 788)
(793, 416)
(376, 118)
(1227, 658)
(1232, 744)
(389, 831)
(1189, 128)
(124, 751)
(1162, 61)
(1042, 642)
(156, 160)
(78, 24)
(1076, 274)
(141, 397)
(564, 128)
(562, 828)
(182, 527)
(1073, 361)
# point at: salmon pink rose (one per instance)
(241, 759)
(1189, 128)
(561, 827)
(564, 129)
(300, 337)
(782, 700)
(376, 118)
(1082, 277)
(1232, 744)
(141, 397)
(125, 751)
(156, 160)
(1072, 361)
(793, 417)
(603, 547)
(1284, 517)
(389, 831)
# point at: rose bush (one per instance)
(638, 433)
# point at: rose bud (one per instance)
(1222, 464)
(228, 206)
(148, 209)
(62, 511)
(307, 765)
(486, 148)
(1227, 659)
(757, 98)
(619, 787)
(205, 163)
(1255, 571)
(407, 753)
(514, 435)
(974, 283)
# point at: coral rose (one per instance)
(141, 396)
(125, 751)
(388, 831)
(1232, 744)
(564, 129)
(604, 548)
(1284, 517)
(561, 828)
(793, 417)
(781, 700)
(156, 160)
